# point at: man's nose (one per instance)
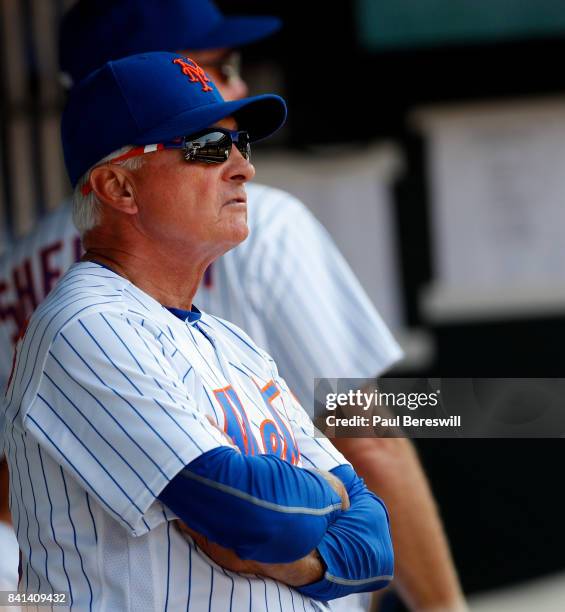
(239, 168)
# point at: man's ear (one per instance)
(112, 186)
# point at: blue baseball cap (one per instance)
(148, 99)
(94, 32)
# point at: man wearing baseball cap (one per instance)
(240, 285)
(131, 409)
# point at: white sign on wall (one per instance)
(497, 191)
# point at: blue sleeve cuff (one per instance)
(357, 548)
(277, 512)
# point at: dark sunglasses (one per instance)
(213, 145)
(210, 146)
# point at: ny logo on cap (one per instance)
(194, 72)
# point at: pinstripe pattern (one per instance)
(100, 415)
(292, 291)
(287, 286)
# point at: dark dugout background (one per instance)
(501, 500)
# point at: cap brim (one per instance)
(261, 116)
(237, 31)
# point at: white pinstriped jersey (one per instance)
(287, 286)
(107, 403)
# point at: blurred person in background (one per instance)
(287, 285)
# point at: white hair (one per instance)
(86, 208)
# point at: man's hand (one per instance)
(298, 573)
(336, 484)
(307, 570)
(304, 571)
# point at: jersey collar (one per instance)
(191, 316)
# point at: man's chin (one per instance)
(238, 234)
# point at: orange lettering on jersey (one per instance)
(193, 72)
(277, 431)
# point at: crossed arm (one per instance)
(291, 522)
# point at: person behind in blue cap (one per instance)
(96, 31)
(269, 284)
(132, 410)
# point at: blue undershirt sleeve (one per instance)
(357, 547)
(262, 507)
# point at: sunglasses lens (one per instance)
(243, 145)
(215, 147)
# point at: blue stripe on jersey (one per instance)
(213, 406)
(58, 308)
(232, 587)
(211, 587)
(131, 295)
(235, 366)
(89, 452)
(35, 514)
(205, 334)
(14, 507)
(122, 342)
(80, 322)
(165, 390)
(265, 585)
(178, 424)
(86, 483)
(52, 527)
(149, 350)
(168, 562)
(75, 536)
(240, 338)
(279, 592)
(189, 575)
(25, 508)
(124, 400)
(91, 516)
(94, 428)
(169, 395)
(120, 426)
(215, 376)
(291, 598)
